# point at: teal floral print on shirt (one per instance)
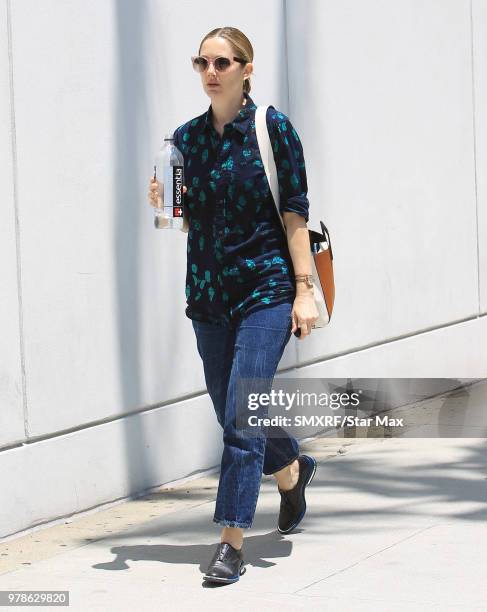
(237, 254)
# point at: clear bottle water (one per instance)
(169, 164)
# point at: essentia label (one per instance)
(173, 198)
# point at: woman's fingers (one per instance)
(295, 323)
(304, 315)
(301, 328)
(155, 185)
(305, 330)
(156, 192)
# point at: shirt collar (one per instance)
(240, 123)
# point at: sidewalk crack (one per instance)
(344, 569)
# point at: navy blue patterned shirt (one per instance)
(238, 258)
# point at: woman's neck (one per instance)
(224, 111)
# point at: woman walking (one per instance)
(247, 284)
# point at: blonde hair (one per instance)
(240, 44)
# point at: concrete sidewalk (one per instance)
(392, 524)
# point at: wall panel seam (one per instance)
(286, 55)
(474, 143)
(16, 214)
(288, 101)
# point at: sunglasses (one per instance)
(201, 64)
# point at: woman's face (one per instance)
(226, 84)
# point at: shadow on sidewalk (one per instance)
(273, 544)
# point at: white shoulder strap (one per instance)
(267, 156)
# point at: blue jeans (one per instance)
(251, 348)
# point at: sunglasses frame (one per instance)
(212, 61)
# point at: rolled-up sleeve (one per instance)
(291, 168)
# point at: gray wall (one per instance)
(101, 388)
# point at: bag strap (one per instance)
(267, 156)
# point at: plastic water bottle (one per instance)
(169, 163)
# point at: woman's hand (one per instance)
(156, 193)
(156, 198)
(304, 313)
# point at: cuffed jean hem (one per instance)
(225, 523)
(282, 466)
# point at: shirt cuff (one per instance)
(297, 204)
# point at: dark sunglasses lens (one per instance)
(222, 63)
(200, 64)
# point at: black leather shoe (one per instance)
(226, 564)
(293, 502)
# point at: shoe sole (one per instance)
(226, 580)
(284, 531)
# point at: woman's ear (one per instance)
(249, 68)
